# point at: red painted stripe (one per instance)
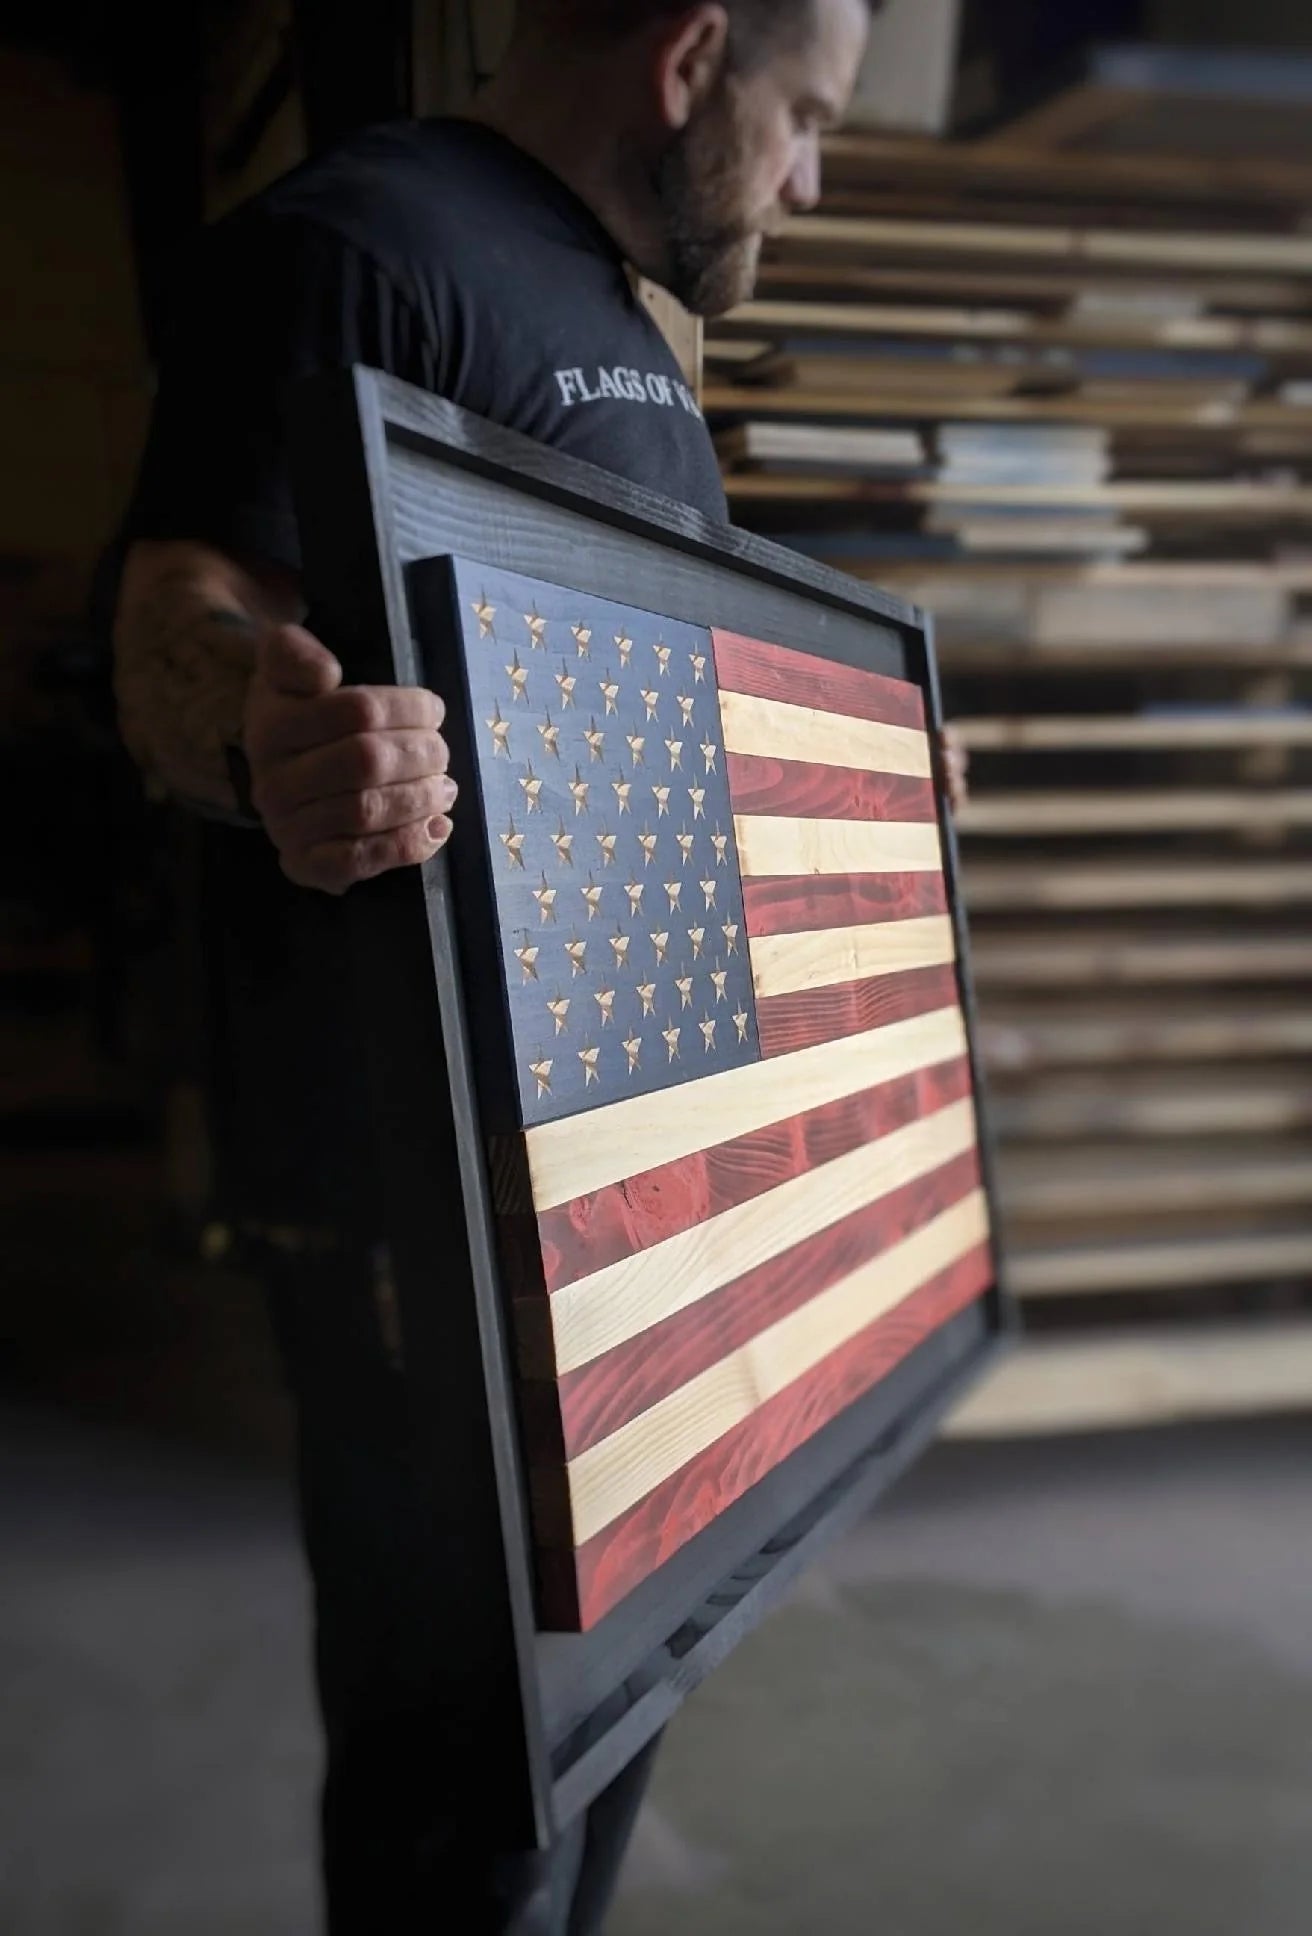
(799, 678)
(790, 1022)
(599, 1398)
(799, 903)
(592, 1231)
(629, 1550)
(760, 785)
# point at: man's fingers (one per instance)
(337, 865)
(372, 810)
(291, 661)
(351, 766)
(278, 730)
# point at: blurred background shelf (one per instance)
(1063, 399)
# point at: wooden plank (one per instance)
(1018, 1036)
(785, 964)
(771, 845)
(1257, 335)
(1166, 881)
(1058, 656)
(1190, 576)
(1109, 1180)
(1001, 161)
(1151, 1377)
(790, 1022)
(625, 1299)
(1035, 814)
(1162, 250)
(1038, 959)
(1088, 1270)
(790, 787)
(1218, 419)
(785, 904)
(1114, 732)
(774, 729)
(1156, 1103)
(613, 1477)
(1175, 499)
(570, 1159)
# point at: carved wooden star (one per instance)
(518, 677)
(686, 842)
(619, 945)
(566, 681)
(558, 1009)
(636, 746)
(674, 747)
(596, 740)
(719, 976)
(624, 646)
(697, 936)
(661, 795)
(634, 890)
(685, 707)
(564, 846)
(647, 842)
(578, 956)
(514, 845)
(709, 751)
(578, 792)
(674, 889)
(622, 789)
(541, 1073)
(740, 1021)
(662, 660)
(610, 692)
(720, 843)
(708, 889)
(550, 736)
(527, 957)
(546, 899)
(698, 797)
(582, 638)
(684, 985)
(607, 844)
(537, 629)
(671, 1038)
(532, 790)
(589, 1058)
(633, 1049)
(730, 933)
(698, 662)
(605, 1000)
(500, 730)
(485, 614)
(647, 995)
(650, 699)
(592, 895)
(707, 1028)
(660, 942)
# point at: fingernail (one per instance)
(438, 829)
(448, 790)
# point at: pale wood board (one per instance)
(1040, 959)
(1132, 811)
(771, 845)
(1155, 1376)
(775, 730)
(784, 964)
(1171, 881)
(1017, 1037)
(1087, 1270)
(1109, 1180)
(1106, 732)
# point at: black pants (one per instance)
(395, 1861)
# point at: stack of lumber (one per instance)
(1065, 403)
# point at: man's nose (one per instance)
(802, 188)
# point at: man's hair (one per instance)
(756, 27)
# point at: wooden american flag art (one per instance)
(735, 1170)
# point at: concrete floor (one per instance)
(1051, 1689)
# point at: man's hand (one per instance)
(956, 763)
(350, 781)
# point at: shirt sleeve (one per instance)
(268, 301)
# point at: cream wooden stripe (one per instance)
(782, 964)
(777, 731)
(767, 845)
(609, 1478)
(582, 1153)
(623, 1300)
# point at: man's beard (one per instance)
(711, 253)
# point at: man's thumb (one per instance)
(291, 661)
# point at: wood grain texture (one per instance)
(785, 904)
(787, 1023)
(606, 1225)
(608, 1481)
(771, 845)
(625, 1299)
(569, 1159)
(785, 964)
(607, 1567)
(777, 786)
(776, 730)
(600, 1397)
(775, 672)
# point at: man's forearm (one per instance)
(185, 632)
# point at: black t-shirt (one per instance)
(441, 253)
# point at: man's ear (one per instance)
(690, 60)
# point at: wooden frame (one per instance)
(540, 1722)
